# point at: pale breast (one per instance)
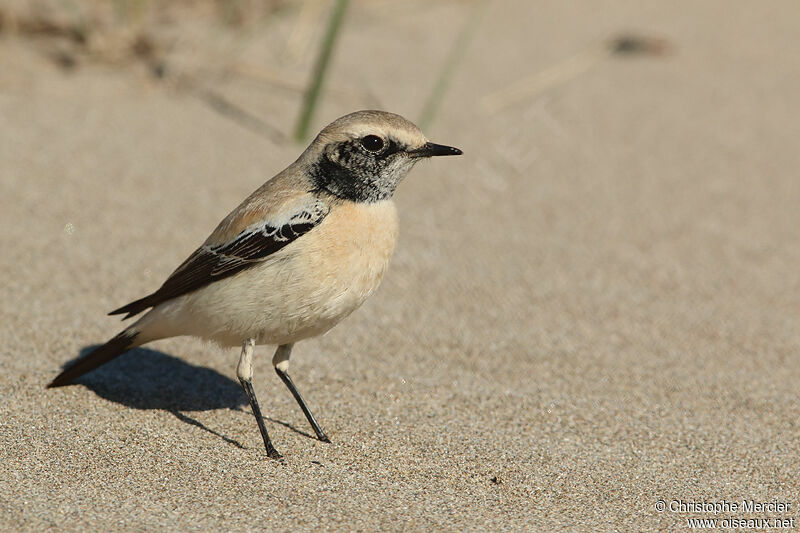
(348, 256)
(353, 244)
(307, 287)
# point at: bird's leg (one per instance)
(244, 371)
(281, 362)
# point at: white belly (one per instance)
(302, 291)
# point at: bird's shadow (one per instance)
(152, 380)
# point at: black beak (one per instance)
(431, 149)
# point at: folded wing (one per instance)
(212, 262)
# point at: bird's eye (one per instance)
(372, 143)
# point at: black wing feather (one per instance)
(212, 263)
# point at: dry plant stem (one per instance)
(538, 82)
(534, 84)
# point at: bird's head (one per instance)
(364, 155)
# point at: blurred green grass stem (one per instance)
(454, 57)
(320, 69)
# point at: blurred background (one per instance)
(594, 308)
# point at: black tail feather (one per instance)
(102, 355)
(134, 308)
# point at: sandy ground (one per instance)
(594, 309)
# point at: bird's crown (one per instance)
(389, 127)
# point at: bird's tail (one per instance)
(97, 357)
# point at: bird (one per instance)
(296, 257)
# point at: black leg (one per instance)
(296, 393)
(244, 371)
(251, 395)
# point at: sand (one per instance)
(594, 309)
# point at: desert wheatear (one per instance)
(296, 257)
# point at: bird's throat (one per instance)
(356, 185)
